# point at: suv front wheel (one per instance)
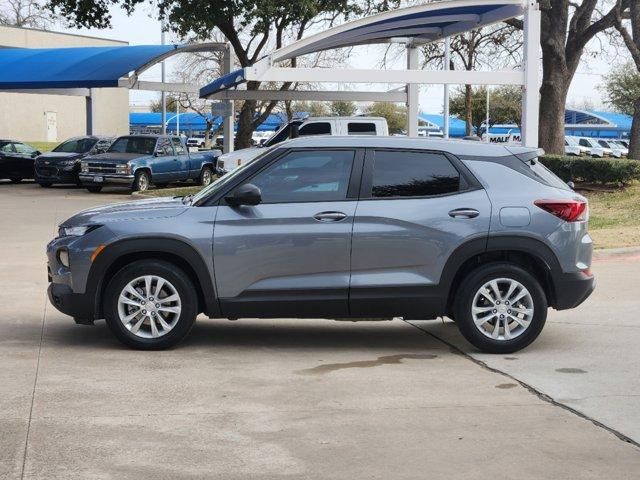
(500, 308)
(150, 305)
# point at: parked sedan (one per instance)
(62, 165)
(16, 160)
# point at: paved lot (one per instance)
(307, 398)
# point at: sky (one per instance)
(142, 29)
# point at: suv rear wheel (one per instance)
(500, 308)
(150, 305)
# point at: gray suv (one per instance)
(333, 228)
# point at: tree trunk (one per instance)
(634, 145)
(468, 111)
(553, 97)
(245, 125)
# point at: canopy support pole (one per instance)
(91, 112)
(447, 66)
(413, 93)
(531, 90)
(228, 121)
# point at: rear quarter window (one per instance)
(546, 176)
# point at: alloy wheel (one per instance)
(502, 309)
(149, 306)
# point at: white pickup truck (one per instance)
(340, 126)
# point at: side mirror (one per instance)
(247, 194)
(294, 131)
(36, 153)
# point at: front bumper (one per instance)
(56, 173)
(77, 305)
(90, 179)
(572, 289)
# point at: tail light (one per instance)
(567, 210)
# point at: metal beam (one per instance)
(310, 95)
(227, 126)
(260, 72)
(531, 93)
(413, 93)
(75, 92)
(159, 86)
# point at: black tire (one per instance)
(141, 182)
(463, 304)
(45, 184)
(206, 176)
(95, 189)
(15, 180)
(170, 273)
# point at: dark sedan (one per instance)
(62, 165)
(16, 160)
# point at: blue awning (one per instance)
(225, 82)
(81, 67)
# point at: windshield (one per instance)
(76, 145)
(282, 134)
(142, 145)
(224, 180)
(572, 141)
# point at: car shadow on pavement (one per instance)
(298, 334)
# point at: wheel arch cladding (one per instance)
(529, 253)
(171, 250)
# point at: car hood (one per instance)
(114, 157)
(55, 157)
(137, 210)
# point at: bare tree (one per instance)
(25, 13)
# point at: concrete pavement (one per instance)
(294, 398)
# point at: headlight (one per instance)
(76, 231)
(124, 169)
(84, 167)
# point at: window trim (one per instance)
(468, 182)
(354, 184)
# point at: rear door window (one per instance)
(413, 174)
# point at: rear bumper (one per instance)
(571, 289)
(76, 305)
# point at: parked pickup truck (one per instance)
(334, 126)
(137, 161)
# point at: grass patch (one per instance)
(43, 146)
(173, 192)
(614, 218)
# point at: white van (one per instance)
(334, 126)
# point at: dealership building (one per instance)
(53, 118)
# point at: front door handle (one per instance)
(464, 213)
(330, 216)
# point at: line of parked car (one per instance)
(596, 147)
(133, 161)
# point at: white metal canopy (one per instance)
(411, 26)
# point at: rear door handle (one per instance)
(330, 216)
(464, 213)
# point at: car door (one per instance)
(416, 208)
(165, 168)
(290, 255)
(23, 160)
(182, 159)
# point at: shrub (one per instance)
(593, 170)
